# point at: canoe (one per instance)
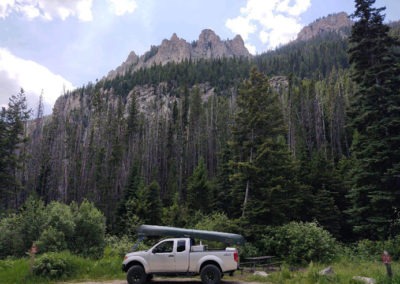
(226, 238)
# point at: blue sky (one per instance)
(52, 45)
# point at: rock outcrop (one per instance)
(332, 23)
(208, 46)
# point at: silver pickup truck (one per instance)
(179, 256)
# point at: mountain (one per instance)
(337, 23)
(176, 105)
(208, 46)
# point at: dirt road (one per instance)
(163, 281)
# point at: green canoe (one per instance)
(227, 238)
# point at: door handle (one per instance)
(171, 255)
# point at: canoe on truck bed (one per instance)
(227, 238)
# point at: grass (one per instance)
(17, 271)
(344, 271)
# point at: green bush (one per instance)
(11, 240)
(249, 250)
(60, 228)
(51, 240)
(89, 231)
(116, 246)
(59, 216)
(372, 250)
(55, 265)
(54, 227)
(216, 222)
(32, 218)
(19, 231)
(299, 243)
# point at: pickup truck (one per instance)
(179, 256)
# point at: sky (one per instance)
(50, 46)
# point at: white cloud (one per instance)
(242, 26)
(121, 7)
(16, 73)
(251, 48)
(48, 9)
(275, 22)
(297, 9)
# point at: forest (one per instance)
(309, 132)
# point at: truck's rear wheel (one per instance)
(210, 274)
(136, 275)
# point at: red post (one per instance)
(387, 260)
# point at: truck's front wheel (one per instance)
(210, 274)
(136, 275)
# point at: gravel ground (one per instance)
(162, 281)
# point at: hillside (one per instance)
(166, 117)
(159, 137)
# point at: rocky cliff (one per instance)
(331, 23)
(208, 46)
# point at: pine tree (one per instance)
(376, 123)
(152, 204)
(198, 189)
(264, 174)
(12, 139)
(129, 199)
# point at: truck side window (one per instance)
(181, 246)
(164, 247)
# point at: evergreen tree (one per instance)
(130, 199)
(264, 174)
(325, 193)
(12, 139)
(152, 204)
(198, 189)
(376, 123)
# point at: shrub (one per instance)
(59, 216)
(299, 243)
(31, 221)
(60, 228)
(11, 241)
(55, 265)
(89, 231)
(216, 222)
(19, 231)
(372, 250)
(249, 250)
(116, 246)
(54, 227)
(51, 240)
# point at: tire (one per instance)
(210, 274)
(136, 275)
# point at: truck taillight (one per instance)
(236, 256)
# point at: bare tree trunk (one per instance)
(246, 194)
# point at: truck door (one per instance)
(162, 258)
(182, 256)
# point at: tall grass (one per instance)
(14, 271)
(344, 271)
(17, 271)
(345, 267)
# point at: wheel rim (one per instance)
(135, 277)
(210, 275)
